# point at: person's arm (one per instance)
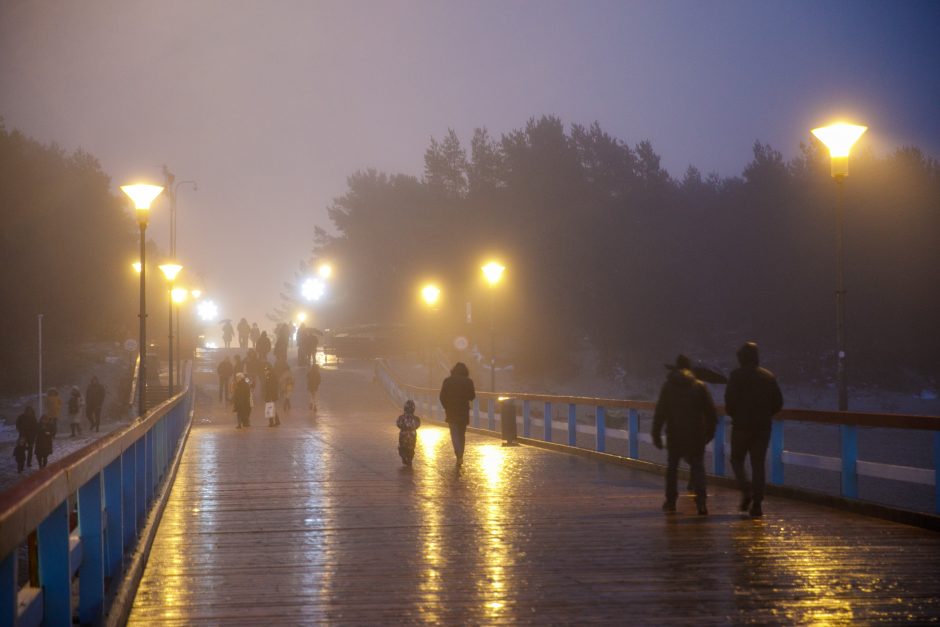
(776, 397)
(659, 419)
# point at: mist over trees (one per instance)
(605, 250)
(66, 243)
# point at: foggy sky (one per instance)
(270, 105)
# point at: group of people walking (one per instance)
(35, 435)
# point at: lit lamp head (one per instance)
(301, 317)
(839, 139)
(196, 294)
(325, 271)
(142, 195)
(493, 271)
(136, 267)
(179, 294)
(431, 294)
(170, 270)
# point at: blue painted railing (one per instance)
(113, 483)
(847, 464)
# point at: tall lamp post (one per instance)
(178, 295)
(170, 270)
(431, 294)
(839, 139)
(493, 272)
(172, 191)
(142, 195)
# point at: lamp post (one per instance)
(493, 272)
(178, 295)
(431, 295)
(170, 270)
(142, 195)
(172, 191)
(839, 139)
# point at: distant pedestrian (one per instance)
(44, 440)
(312, 344)
(226, 371)
(53, 408)
(244, 330)
(241, 399)
(28, 427)
(254, 335)
(302, 345)
(285, 382)
(94, 401)
(237, 364)
(457, 392)
(408, 425)
(75, 406)
(19, 453)
(270, 397)
(686, 409)
(752, 399)
(313, 384)
(227, 333)
(281, 341)
(254, 371)
(263, 345)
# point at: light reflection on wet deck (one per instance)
(317, 522)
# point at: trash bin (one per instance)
(507, 415)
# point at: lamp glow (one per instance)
(493, 271)
(136, 267)
(313, 289)
(179, 294)
(839, 139)
(142, 194)
(207, 310)
(431, 294)
(196, 294)
(170, 270)
(325, 270)
(301, 317)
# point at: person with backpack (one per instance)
(75, 406)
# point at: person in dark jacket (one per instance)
(241, 399)
(44, 436)
(27, 426)
(94, 401)
(271, 391)
(456, 393)
(225, 371)
(263, 346)
(19, 453)
(243, 330)
(686, 409)
(752, 398)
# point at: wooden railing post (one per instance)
(476, 412)
(91, 571)
(114, 536)
(55, 576)
(600, 421)
(491, 413)
(128, 496)
(849, 438)
(776, 452)
(572, 424)
(526, 419)
(8, 590)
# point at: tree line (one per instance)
(606, 250)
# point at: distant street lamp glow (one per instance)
(170, 270)
(313, 289)
(179, 294)
(136, 267)
(325, 270)
(301, 317)
(839, 139)
(493, 271)
(207, 310)
(142, 195)
(196, 294)
(431, 294)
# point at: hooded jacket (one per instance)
(752, 397)
(686, 409)
(456, 393)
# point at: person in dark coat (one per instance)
(457, 392)
(94, 401)
(241, 399)
(243, 330)
(271, 391)
(407, 425)
(302, 359)
(752, 398)
(27, 426)
(686, 409)
(44, 436)
(263, 346)
(19, 453)
(227, 333)
(225, 371)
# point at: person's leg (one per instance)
(758, 451)
(739, 450)
(30, 445)
(697, 472)
(457, 439)
(672, 492)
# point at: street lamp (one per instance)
(431, 294)
(839, 139)
(493, 272)
(170, 270)
(142, 195)
(172, 192)
(178, 295)
(325, 271)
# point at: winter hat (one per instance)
(748, 355)
(409, 407)
(682, 363)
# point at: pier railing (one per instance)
(81, 518)
(613, 426)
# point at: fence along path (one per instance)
(316, 521)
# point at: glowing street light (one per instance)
(301, 317)
(313, 289)
(136, 267)
(325, 271)
(207, 310)
(196, 294)
(170, 270)
(493, 272)
(840, 138)
(431, 294)
(142, 196)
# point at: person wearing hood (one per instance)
(241, 398)
(244, 329)
(456, 393)
(263, 345)
(686, 410)
(752, 399)
(28, 428)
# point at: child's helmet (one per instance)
(409, 407)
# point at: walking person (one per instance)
(263, 345)
(44, 436)
(457, 392)
(254, 334)
(407, 425)
(75, 406)
(241, 399)
(225, 371)
(686, 409)
(53, 408)
(752, 399)
(313, 384)
(270, 388)
(285, 383)
(19, 453)
(94, 401)
(244, 329)
(28, 427)
(227, 333)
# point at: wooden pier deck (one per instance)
(317, 522)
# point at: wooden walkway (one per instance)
(317, 522)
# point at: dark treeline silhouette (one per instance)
(606, 251)
(66, 244)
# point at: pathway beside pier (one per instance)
(318, 522)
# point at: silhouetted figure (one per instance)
(313, 384)
(281, 339)
(75, 406)
(407, 425)
(686, 409)
(263, 345)
(226, 371)
(28, 427)
(254, 335)
(237, 364)
(19, 453)
(752, 398)
(244, 330)
(53, 408)
(271, 391)
(241, 399)
(302, 359)
(457, 392)
(94, 401)
(285, 384)
(44, 436)
(227, 333)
